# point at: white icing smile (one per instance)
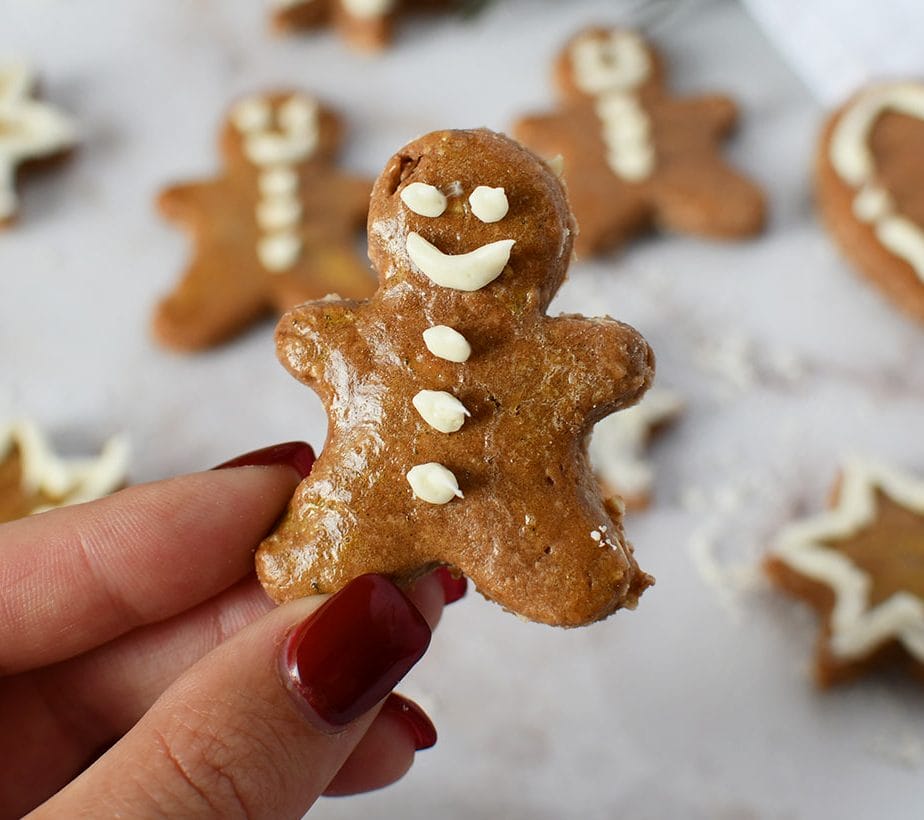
(466, 271)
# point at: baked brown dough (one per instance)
(635, 156)
(531, 529)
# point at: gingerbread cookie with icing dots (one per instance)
(635, 156)
(618, 444)
(458, 411)
(277, 227)
(30, 132)
(861, 565)
(365, 24)
(33, 478)
(870, 189)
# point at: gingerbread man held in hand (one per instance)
(636, 157)
(458, 410)
(276, 228)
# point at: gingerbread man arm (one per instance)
(719, 111)
(354, 192)
(183, 202)
(609, 364)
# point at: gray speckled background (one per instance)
(698, 704)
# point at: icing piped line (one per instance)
(466, 271)
(856, 628)
(850, 156)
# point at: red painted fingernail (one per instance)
(454, 587)
(418, 724)
(295, 454)
(353, 651)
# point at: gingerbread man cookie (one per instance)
(33, 478)
(869, 188)
(618, 444)
(458, 410)
(861, 565)
(276, 228)
(365, 24)
(30, 131)
(634, 155)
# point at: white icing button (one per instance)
(278, 181)
(489, 204)
(277, 213)
(423, 199)
(446, 343)
(368, 8)
(872, 204)
(466, 271)
(441, 410)
(252, 114)
(263, 148)
(557, 164)
(298, 115)
(279, 252)
(433, 483)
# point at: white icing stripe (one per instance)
(71, 481)
(856, 628)
(616, 63)
(278, 211)
(28, 130)
(467, 271)
(627, 134)
(433, 483)
(853, 161)
(446, 343)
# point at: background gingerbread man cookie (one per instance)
(277, 227)
(458, 410)
(870, 188)
(861, 565)
(636, 157)
(33, 478)
(365, 24)
(30, 132)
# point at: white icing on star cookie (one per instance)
(857, 629)
(28, 130)
(618, 443)
(73, 481)
(277, 152)
(853, 161)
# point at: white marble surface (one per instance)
(697, 705)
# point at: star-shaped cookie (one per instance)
(636, 156)
(30, 131)
(458, 410)
(277, 227)
(618, 444)
(365, 24)
(33, 478)
(861, 565)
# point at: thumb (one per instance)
(261, 725)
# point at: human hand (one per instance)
(144, 672)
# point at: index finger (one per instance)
(75, 578)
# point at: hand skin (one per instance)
(141, 667)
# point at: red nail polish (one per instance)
(295, 454)
(421, 728)
(454, 587)
(353, 651)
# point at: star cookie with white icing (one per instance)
(635, 156)
(30, 132)
(861, 565)
(33, 478)
(365, 24)
(458, 411)
(618, 444)
(870, 187)
(275, 228)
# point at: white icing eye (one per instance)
(489, 204)
(298, 115)
(433, 483)
(446, 343)
(441, 410)
(252, 114)
(423, 199)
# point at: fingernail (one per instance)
(420, 727)
(296, 454)
(454, 587)
(353, 651)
